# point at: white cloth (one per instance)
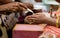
(49, 2)
(37, 5)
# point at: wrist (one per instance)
(51, 21)
(3, 8)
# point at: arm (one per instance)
(41, 18)
(52, 21)
(5, 1)
(3, 8)
(13, 7)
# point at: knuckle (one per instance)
(17, 3)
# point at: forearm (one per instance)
(52, 21)
(5, 1)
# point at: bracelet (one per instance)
(57, 21)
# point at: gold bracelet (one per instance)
(57, 21)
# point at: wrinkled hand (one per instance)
(36, 18)
(15, 6)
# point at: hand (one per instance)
(15, 6)
(36, 18)
(29, 5)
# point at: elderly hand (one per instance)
(14, 7)
(36, 18)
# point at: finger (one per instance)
(21, 9)
(38, 13)
(23, 5)
(14, 9)
(32, 20)
(31, 17)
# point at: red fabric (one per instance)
(26, 31)
(53, 30)
(26, 34)
(32, 31)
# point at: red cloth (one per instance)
(26, 31)
(33, 31)
(53, 30)
(26, 34)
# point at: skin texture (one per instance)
(40, 18)
(10, 6)
(5, 1)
